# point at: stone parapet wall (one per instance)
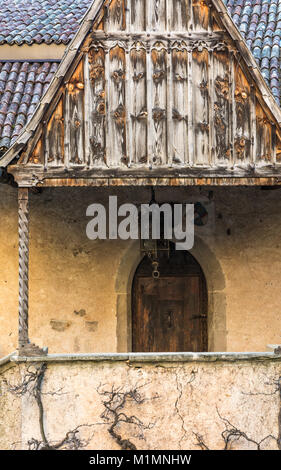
(142, 401)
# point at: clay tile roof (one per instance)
(56, 21)
(38, 21)
(22, 85)
(259, 22)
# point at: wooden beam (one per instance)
(98, 181)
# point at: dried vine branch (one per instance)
(32, 384)
(231, 433)
(200, 441)
(115, 401)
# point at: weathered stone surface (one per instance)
(177, 403)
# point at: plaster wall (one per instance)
(34, 52)
(80, 289)
(179, 401)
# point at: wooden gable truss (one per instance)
(153, 92)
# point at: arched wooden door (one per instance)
(169, 314)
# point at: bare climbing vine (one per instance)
(115, 402)
(232, 433)
(32, 384)
(121, 419)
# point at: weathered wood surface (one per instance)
(169, 314)
(160, 86)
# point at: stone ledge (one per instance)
(6, 359)
(153, 357)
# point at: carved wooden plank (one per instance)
(201, 15)
(117, 106)
(157, 15)
(253, 125)
(75, 124)
(201, 106)
(278, 146)
(180, 105)
(264, 151)
(138, 18)
(128, 106)
(37, 155)
(116, 16)
(221, 106)
(211, 72)
(242, 95)
(169, 106)
(159, 104)
(149, 100)
(190, 139)
(34, 152)
(54, 137)
(87, 111)
(95, 105)
(178, 15)
(232, 113)
(139, 104)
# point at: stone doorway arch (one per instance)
(215, 280)
(169, 313)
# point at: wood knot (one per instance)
(177, 116)
(138, 77)
(118, 75)
(101, 108)
(240, 146)
(159, 75)
(203, 85)
(96, 72)
(204, 126)
(158, 114)
(179, 78)
(70, 87)
(222, 87)
(240, 94)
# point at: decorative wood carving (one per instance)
(157, 86)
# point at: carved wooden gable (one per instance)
(162, 88)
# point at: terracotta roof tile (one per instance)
(259, 22)
(37, 21)
(22, 84)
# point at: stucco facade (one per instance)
(80, 290)
(177, 402)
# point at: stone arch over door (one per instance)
(215, 290)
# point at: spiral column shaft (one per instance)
(23, 213)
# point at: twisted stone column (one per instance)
(23, 265)
(25, 347)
